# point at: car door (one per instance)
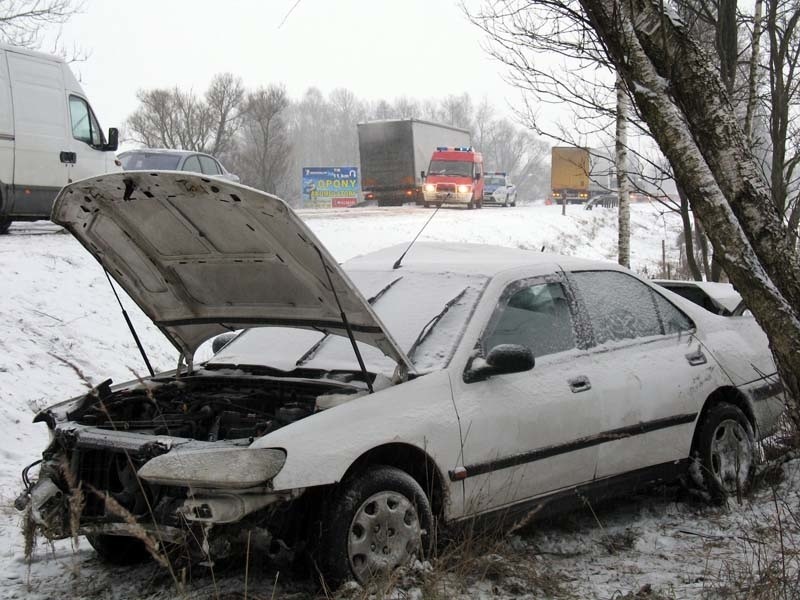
(209, 165)
(192, 164)
(88, 158)
(650, 376)
(523, 432)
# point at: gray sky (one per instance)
(377, 49)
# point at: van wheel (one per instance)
(470, 205)
(725, 453)
(376, 522)
(5, 223)
(427, 205)
(119, 549)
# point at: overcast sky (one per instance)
(377, 49)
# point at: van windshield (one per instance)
(459, 168)
(147, 161)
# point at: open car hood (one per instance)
(204, 256)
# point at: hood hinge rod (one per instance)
(130, 325)
(346, 324)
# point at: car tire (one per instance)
(725, 453)
(119, 549)
(514, 203)
(5, 223)
(375, 522)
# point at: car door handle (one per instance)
(696, 358)
(579, 384)
(68, 157)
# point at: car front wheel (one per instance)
(725, 452)
(376, 522)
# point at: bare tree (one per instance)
(266, 147)
(174, 118)
(22, 22)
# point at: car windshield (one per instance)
(498, 181)
(426, 313)
(146, 161)
(460, 168)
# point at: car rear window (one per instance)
(147, 161)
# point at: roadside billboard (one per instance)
(330, 187)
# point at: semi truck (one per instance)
(579, 174)
(395, 152)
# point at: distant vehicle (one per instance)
(579, 174)
(394, 153)
(160, 159)
(455, 176)
(718, 298)
(497, 189)
(49, 135)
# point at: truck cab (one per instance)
(455, 176)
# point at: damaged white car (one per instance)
(364, 406)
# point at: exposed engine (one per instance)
(205, 408)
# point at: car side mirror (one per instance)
(113, 139)
(221, 341)
(502, 359)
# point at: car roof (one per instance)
(164, 151)
(475, 259)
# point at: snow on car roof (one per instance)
(476, 259)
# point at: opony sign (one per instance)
(330, 187)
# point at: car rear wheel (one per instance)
(725, 453)
(119, 549)
(377, 521)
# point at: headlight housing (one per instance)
(215, 468)
(430, 187)
(464, 188)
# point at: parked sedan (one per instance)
(369, 404)
(160, 159)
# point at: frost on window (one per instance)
(619, 306)
(673, 319)
(536, 316)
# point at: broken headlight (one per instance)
(227, 468)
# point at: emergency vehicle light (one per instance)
(442, 148)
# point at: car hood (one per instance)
(204, 256)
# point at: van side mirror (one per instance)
(113, 139)
(422, 175)
(477, 176)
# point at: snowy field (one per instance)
(61, 330)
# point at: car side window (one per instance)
(536, 316)
(209, 165)
(84, 125)
(673, 319)
(619, 306)
(192, 164)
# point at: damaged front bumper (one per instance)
(177, 490)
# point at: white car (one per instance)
(499, 190)
(719, 298)
(370, 404)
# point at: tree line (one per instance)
(266, 137)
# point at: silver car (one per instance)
(161, 159)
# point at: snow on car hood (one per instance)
(201, 257)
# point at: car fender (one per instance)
(321, 448)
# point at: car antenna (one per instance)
(130, 325)
(399, 260)
(346, 324)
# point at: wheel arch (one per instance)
(730, 395)
(414, 461)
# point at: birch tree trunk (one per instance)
(686, 107)
(623, 183)
(752, 78)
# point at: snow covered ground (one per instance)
(61, 330)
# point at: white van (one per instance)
(49, 135)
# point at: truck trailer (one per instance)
(579, 174)
(395, 152)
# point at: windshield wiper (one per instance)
(432, 323)
(311, 352)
